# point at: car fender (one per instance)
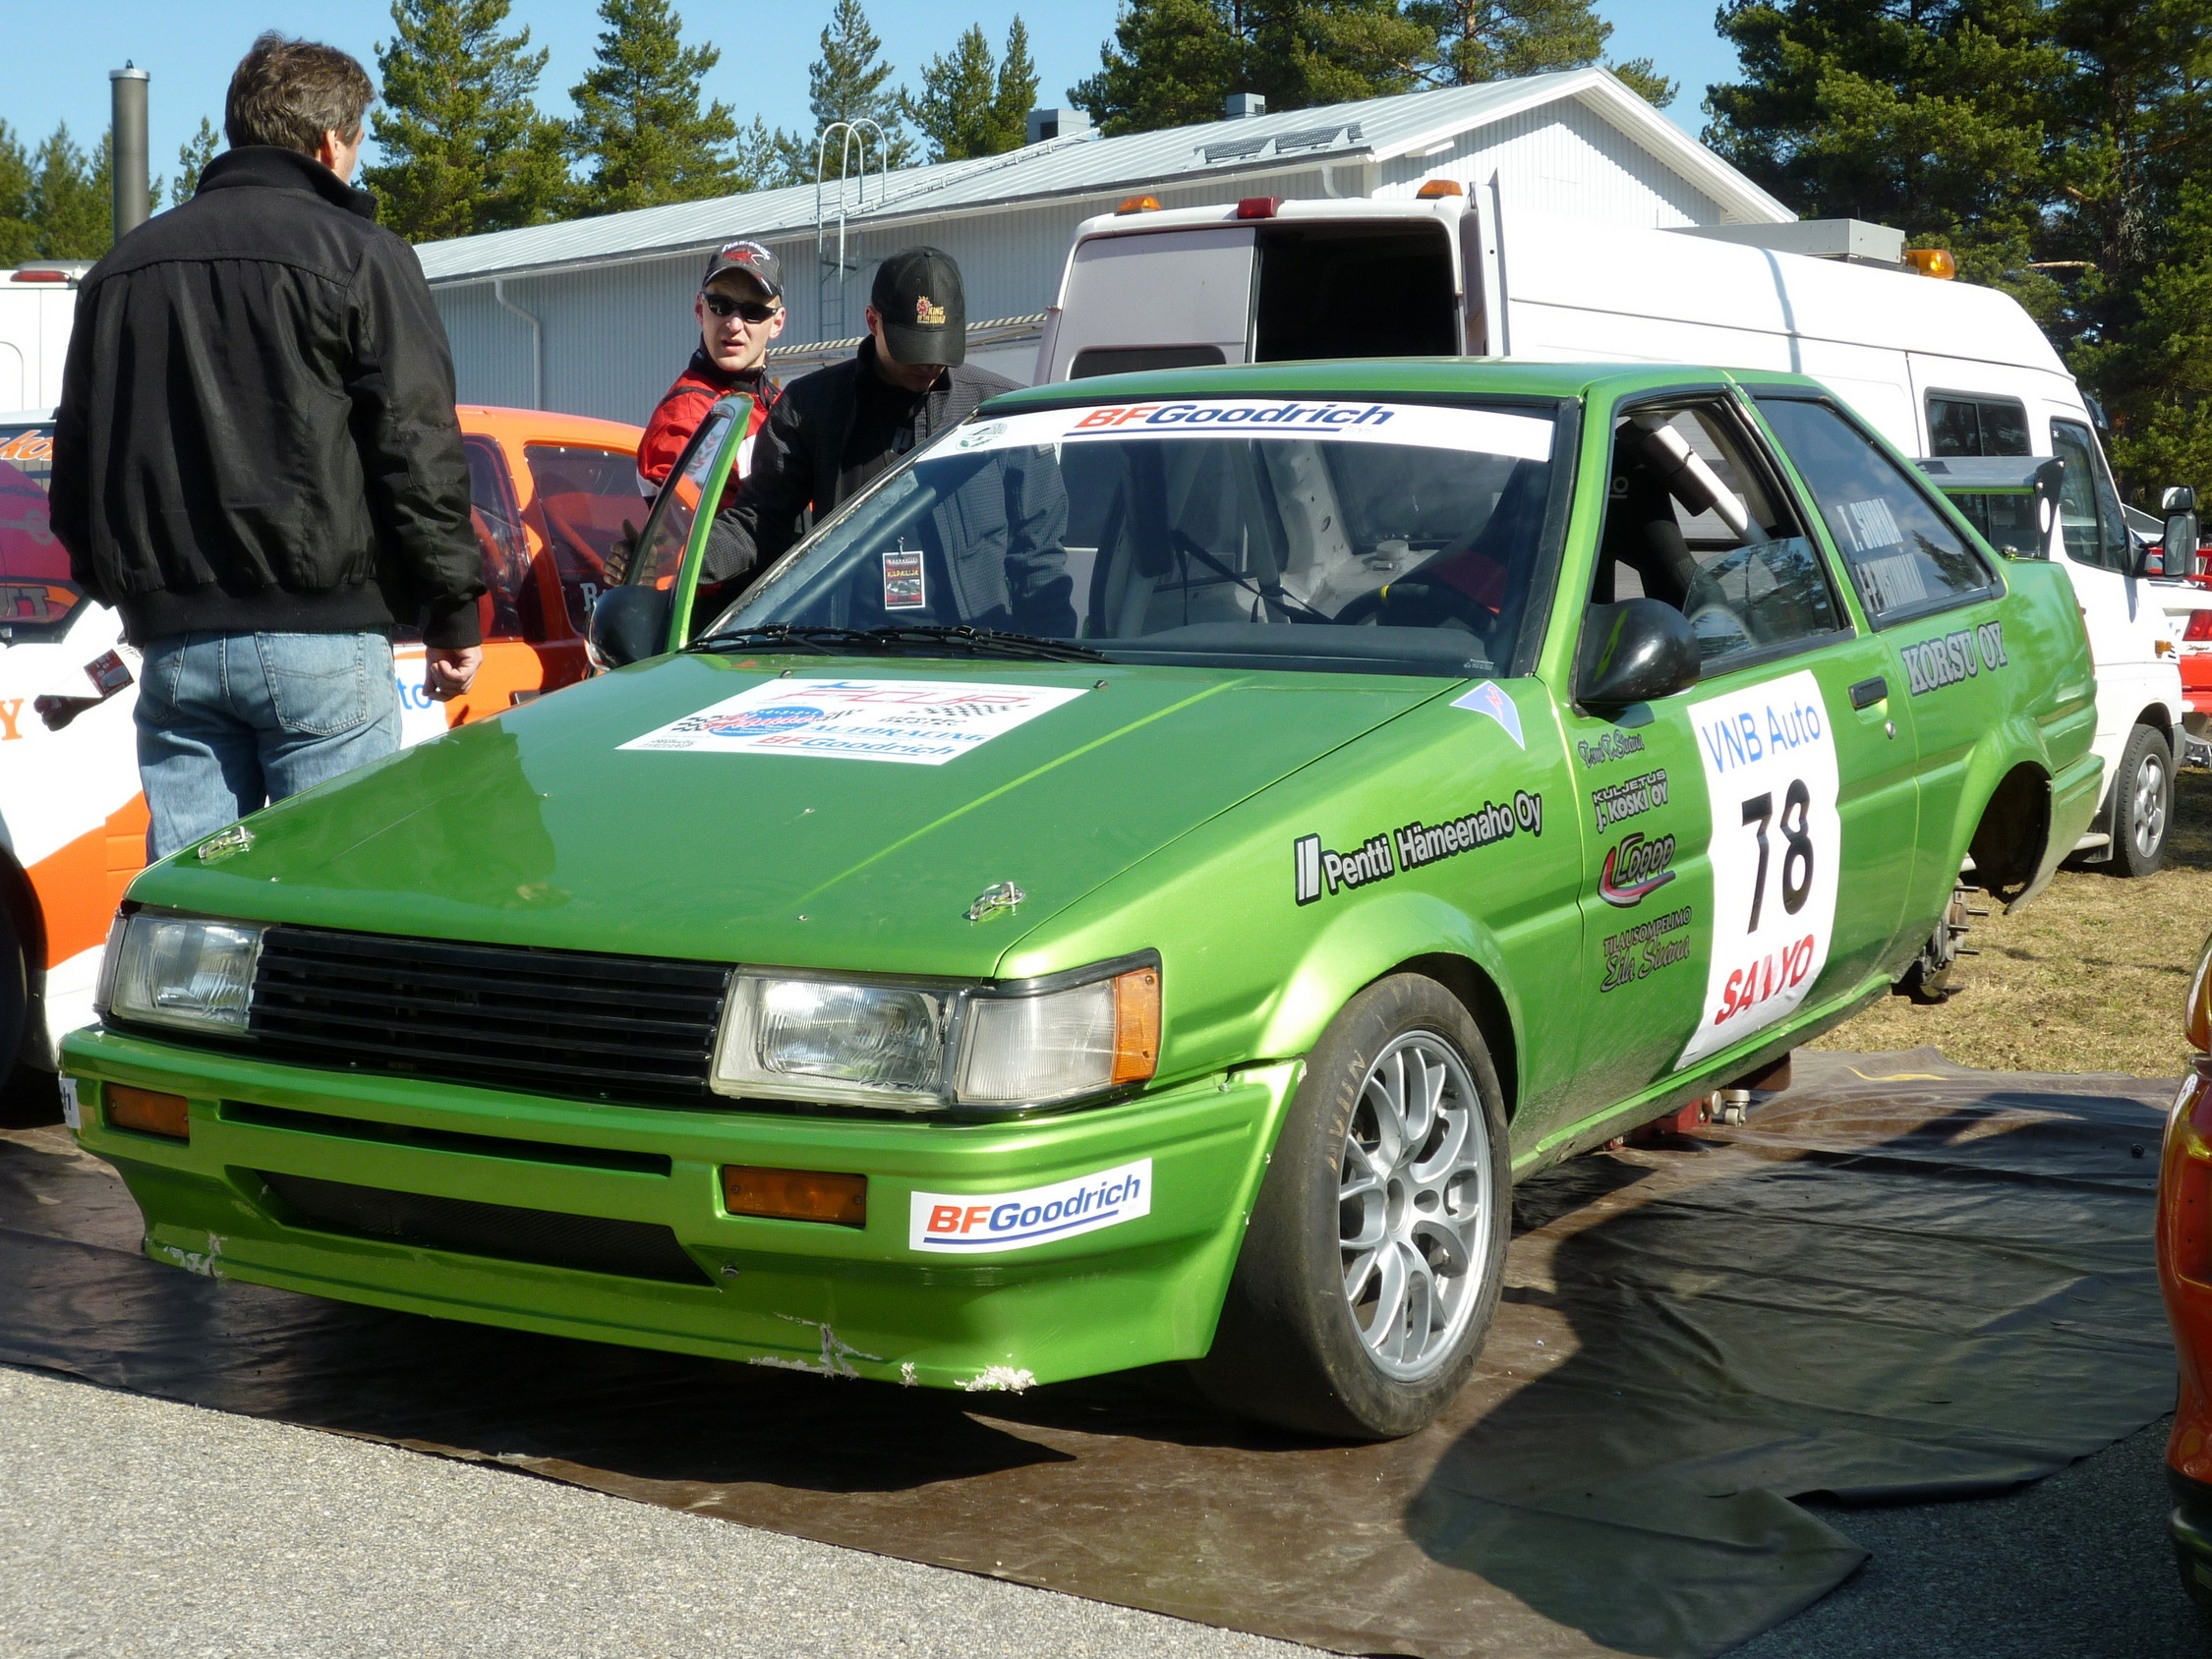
(1368, 941)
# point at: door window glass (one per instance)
(1901, 551)
(1372, 290)
(37, 595)
(1976, 425)
(1693, 519)
(668, 528)
(509, 594)
(586, 500)
(2089, 516)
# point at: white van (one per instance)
(1941, 369)
(37, 304)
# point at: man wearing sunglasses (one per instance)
(740, 311)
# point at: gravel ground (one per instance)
(133, 1527)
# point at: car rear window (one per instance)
(37, 595)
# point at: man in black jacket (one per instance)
(256, 459)
(836, 430)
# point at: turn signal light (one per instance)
(2199, 628)
(1932, 262)
(1136, 1025)
(1435, 187)
(1139, 204)
(2199, 1021)
(145, 1111)
(1259, 206)
(795, 1195)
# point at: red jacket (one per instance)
(684, 405)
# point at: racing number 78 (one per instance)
(1797, 860)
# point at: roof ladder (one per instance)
(853, 143)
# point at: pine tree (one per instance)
(1170, 64)
(639, 125)
(974, 104)
(1479, 40)
(464, 147)
(18, 236)
(193, 157)
(846, 84)
(72, 209)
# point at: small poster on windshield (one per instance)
(917, 722)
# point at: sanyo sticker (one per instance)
(919, 722)
(1769, 777)
(963, 1222)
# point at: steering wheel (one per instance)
(1417, 604)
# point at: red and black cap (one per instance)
(748, 258)
(924, 312)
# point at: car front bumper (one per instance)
(843, 1301)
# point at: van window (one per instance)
(1694, 520)
(1354, 290)
(1902, 552)
(1134, 360)
(1959, 424)
(2089, 516)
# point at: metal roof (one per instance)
(1084, 164)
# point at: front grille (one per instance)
(563, 1022)
(632, 1250)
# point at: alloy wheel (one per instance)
(2146, 818)
(1414, 1204)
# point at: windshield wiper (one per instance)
(979, 642)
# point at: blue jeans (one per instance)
(229, 722)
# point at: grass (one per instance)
(2089, 978)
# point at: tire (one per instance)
(1370, 1270)
(2142, 803)
(1934, 973)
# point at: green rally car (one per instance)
(1137, 884)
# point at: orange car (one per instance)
(553, 495)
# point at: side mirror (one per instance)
(2176, 554)
(2050, 483)
(628, 625)
(1634, 652)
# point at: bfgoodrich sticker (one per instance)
(965, 1223)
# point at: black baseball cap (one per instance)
(917, 293)
(749, 259)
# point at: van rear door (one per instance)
(1175, 298)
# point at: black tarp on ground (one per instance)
(1900, 1279)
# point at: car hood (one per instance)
(541, 827)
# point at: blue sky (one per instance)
(58, 55)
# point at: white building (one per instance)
(594, 317)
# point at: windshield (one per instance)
(37, 595)
(1267, 533)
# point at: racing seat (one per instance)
(1643, 533)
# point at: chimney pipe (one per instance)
(126, 89)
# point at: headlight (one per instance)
(924, 1047)
(185, 971)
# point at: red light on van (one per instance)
(1259, 206)
(40, 276)
(2200, 627)
(1139, 204)
(1436, 188)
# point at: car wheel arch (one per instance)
(1404, 933)
(2012, 832)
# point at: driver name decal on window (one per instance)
(1769, 754)
(917, 722)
